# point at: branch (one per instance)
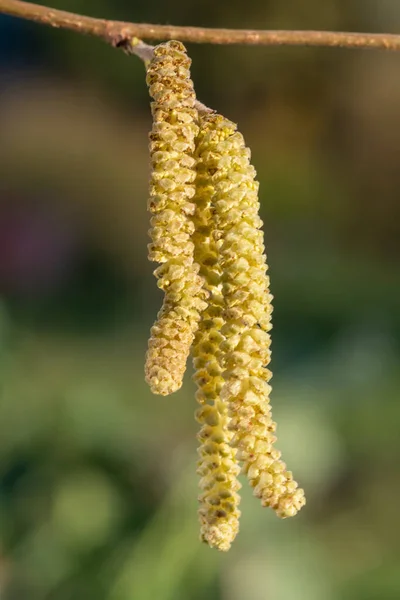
(118, 32)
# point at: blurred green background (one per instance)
(97, 476)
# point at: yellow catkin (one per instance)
(172, 144)
(247, 313)
(217, 466)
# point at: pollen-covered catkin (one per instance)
(217, 466)
(222, 154)
(172, 144)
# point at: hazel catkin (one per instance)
(172, 144)
(217, 466)
(223, 156)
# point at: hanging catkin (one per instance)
(217, 466)
(247, 313)
(172, 144)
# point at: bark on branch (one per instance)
(119, 32)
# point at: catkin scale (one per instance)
(247, 313)
(218, 499)
(172, 144)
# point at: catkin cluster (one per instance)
(206, 235)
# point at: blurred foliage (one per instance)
(97, 476)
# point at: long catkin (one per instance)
(217, 465)
(172, 144)
(247, 313)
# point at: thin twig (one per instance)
(145, 52)
(111, 31)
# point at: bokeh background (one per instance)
(97, 476)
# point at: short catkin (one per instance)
(172, 145)
(247, 313)
(217, 465)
